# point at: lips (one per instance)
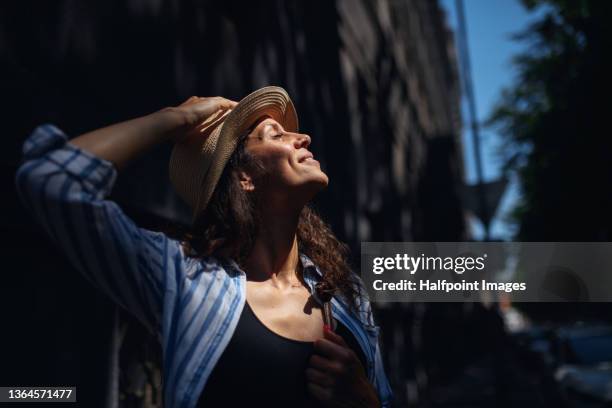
(305, 157)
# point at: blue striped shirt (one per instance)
(191, 305)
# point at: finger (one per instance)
(332, 350)
(320, 393)
(205, 127)
(319, 377)
(223, 103)
(323, 364)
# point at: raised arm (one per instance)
(65, 185)
(122, 142)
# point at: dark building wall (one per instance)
(374, 82)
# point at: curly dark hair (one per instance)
(228, 227)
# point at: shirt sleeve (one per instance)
(65, 187)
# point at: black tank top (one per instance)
(262, 368)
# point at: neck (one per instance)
(275, 254)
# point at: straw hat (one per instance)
(196, 164)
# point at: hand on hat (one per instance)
(196, 110)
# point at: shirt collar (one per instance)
(311, 273)
(309, 266)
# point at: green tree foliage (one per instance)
(555, 121)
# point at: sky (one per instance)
(490, 25)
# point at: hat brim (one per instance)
(269, 101)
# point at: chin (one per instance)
(325, 181)
(322, 179)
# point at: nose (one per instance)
(301, 140)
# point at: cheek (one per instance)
(276, 159)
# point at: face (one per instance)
(288, 164)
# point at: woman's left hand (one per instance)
(336, 377)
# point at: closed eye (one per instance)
(277, 136)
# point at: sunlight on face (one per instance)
(288, 164)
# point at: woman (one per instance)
(234, 303)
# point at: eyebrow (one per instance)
(274, 125)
